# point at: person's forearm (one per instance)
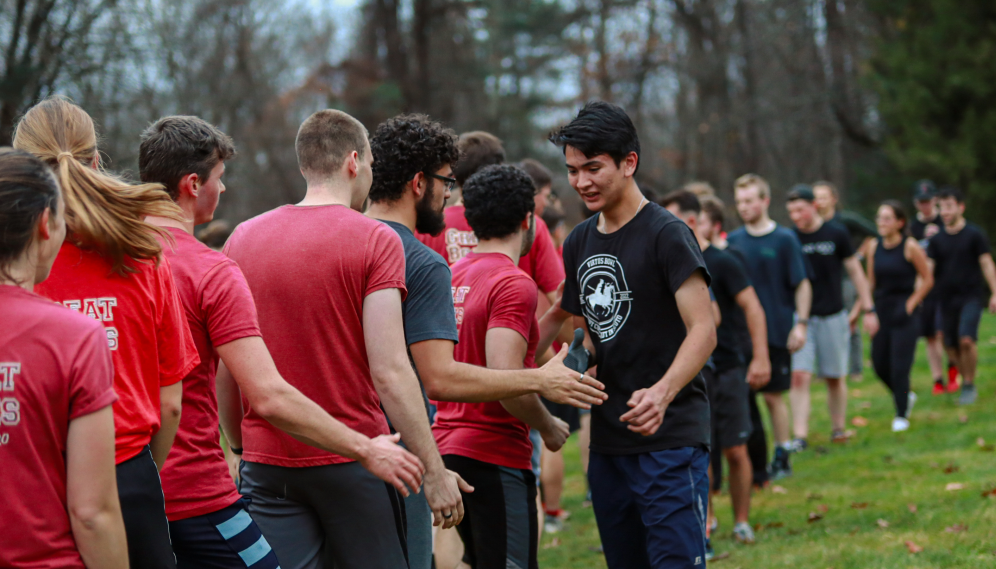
(402, 400)
(550, 326)
(803, 299)
(692, 356)
(989, 271)
(170, 407)
(530, 410)
(100, 537)
(230, 411)
(923, 286)
(758, 328)
(860, 284)
(465, 383)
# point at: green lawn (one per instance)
(875, 494)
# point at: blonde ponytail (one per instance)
(103, 212)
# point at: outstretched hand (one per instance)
(647, 412)
(390, 462)
(561, 384)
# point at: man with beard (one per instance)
(412, 178)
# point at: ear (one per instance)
(44, 230)
(420, 183)
(354, 164)
(630, 163)
(527, 221)
(189, 185)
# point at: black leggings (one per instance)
(893, 350)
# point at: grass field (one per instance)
(877, 498)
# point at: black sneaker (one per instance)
(799, 445)
(780, 467)
(968, 394)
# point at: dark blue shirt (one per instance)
(776, 266)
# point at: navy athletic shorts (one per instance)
(225, 539)
(651, 507)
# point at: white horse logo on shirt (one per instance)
(602, 296)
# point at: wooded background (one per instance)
(870, 94)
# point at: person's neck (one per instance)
(892, 239)
(829, 213)
(760, 226)
(19, 273)
(923, 218)
(703, 243)
(957, 226)
(187, 206)
(456, 194)
(401, 211)
(622, 212)
(814, 225)
(511, 247)
(328, 192)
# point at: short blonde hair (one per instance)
(325, 139)
(699, 188)
(753, 180)
(826, 184)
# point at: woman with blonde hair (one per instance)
(110, 268)
(60, 505)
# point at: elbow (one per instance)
(435, 389)
(708, 334)
(171, 410)
(90, 516)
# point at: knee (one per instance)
(966, 343)
(736, 455)
(800, 379)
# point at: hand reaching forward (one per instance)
(442, 491)
(390, 462)
(564, 385)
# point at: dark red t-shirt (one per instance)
(309, 269)
(146, 331)
(219, 310)
(54, 367)
(489, 291)
(541, 262)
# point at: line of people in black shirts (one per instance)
(376, 359)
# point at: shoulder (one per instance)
(580, 232)
(786, 235)
(72, 326)
(837, 229)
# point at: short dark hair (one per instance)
(802, 192)
(553, 216)
(713, 207)
(176, 146)
(600, 128)
(541, 175)
(27, 187)
(496, 200)
(405, 145)
(948, 192)
(477, 150)
(215, 234)
(687, 201)
(325, 139)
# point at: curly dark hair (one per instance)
(496, 200)
(405, 145)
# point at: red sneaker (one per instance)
(952, 379)
(938, 387)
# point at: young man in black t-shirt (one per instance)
(924, 225)
(827, 247)
(963, 266)
(636, 282)
(730, 382)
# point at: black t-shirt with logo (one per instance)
(957, 270)
(729, 278)
(825, 250)
(623, 283)
(919, 229)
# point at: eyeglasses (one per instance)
(450, 182)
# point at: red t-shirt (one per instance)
(54, 367)
(219, 310)
(488, 292)
(146, 332)
(309, 269)
(541, 262)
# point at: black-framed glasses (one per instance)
(450, 182)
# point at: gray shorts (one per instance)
(856, 358)
(339, 515)
(827, 345)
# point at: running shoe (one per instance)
(968, 394)
(910, 402)
(743, 533)
(709, 552)
(838, 436)
(952, 378)
(552, 524)
(713, 524)
(938, 387)
(900, 424)
(799, 445)
(780, 467)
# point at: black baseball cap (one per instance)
(801, 192)
(924, 190)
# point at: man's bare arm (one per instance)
(803, 303)
(759, 369)
(170, 408)
(989, 272)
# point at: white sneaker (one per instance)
(911, 401)
(900, 424)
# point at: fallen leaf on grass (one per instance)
(864, 405)
(962, 418)
(912, 547)
(887, 458)
(823, 508)
(882, 523)
(954, 486)
(553, 543)
(951, 468)
(987, 448)
(778, 490)
(859, 505)
(989, 493)
(855, 393)
(773, 525)
(911, 508)
(859, 421)
(814, 517)
(721, 556)
(957, 528)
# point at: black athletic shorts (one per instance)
(499, 528)
(960, 317)
(144, 511)
(781, 370)
(930, 317)
(566, 413)
(729, 409)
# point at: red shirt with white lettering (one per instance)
(309, 269)
(219, 310)
(54, 367)
(146, 331)
(489, 291)
(541, 262)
